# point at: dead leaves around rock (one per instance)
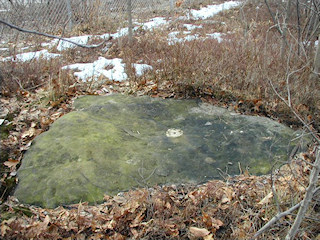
(23, 118)
(215, 210)
(168, 212)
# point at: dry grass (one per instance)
(239, 68)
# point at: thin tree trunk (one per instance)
(315, 74)
(129, 11)
(299, 25)
(285, 29)
(69, 10)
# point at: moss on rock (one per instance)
(111, 144)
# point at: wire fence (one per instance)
(65, 15)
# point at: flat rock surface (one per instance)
(113, 143)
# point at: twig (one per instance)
(308, 197)
(49, 35)
(274, 192)
(314, 135)
(273, 18)
(276, 219)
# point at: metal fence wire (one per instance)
(54, 15)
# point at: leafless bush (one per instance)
(239, 68)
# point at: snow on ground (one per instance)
(141, 68)
(23, 57)
(114, 69)
(191, 27)
(211, 10)
(153, 23)
(91, 71)
(173, 39)
(64, 45)
(216, 35)
(121, 32)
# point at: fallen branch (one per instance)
(276, 218)
(49, 35)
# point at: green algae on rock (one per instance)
(113, 143)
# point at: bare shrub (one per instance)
(239, 68)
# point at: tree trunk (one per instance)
(285, 29)
(129, 12)
(315, 74)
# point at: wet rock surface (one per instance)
(113, 143)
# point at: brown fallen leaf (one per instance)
(179, 3)
(29, 133)
(217, 223)
(5, 226)
(11, 163)
(208, 237)
(199, 232)
(266, 199)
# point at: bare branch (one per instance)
(49, 35)
(273, 17)
(314, 135)
(276, 219)
(308, 197)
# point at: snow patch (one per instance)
(87, 71)
(63, 45)
(153, 23)
(212, 10)
(172, 38)
(216, 35)
(141, 68)
(191, 27)
(24, 57)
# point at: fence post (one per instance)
(69, 10)
(129, 10)
(171, 5)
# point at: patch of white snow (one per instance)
(216, 36)
(172, 39)
(154, 23)
(191, 27)
(63, 45)
(24, 57)
(141, 68)
(91, 71)
(211, 10)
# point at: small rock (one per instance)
(209, 160)
(174, 133)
